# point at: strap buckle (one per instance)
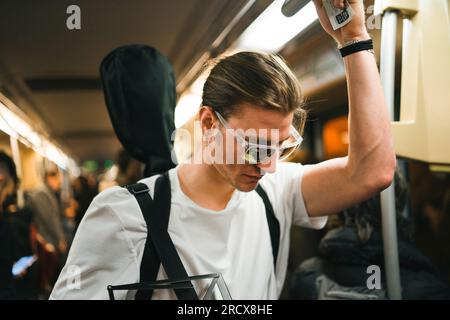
(137, 188)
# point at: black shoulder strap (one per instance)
(150, 260)
(274, 225)
(156, 214)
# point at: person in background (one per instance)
(6, 256)
(70, 207)
(18, 235)
(354, 242)
(84, 193)
(431, 211)
(6, 261)
(126, 171)
(129, 169)
(49, 215)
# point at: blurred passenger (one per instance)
(69, 224)
(6, 261)
(108, 179)
(355, 242)
(17, 238)
(49, 218)
(430, 195)
(6, 255)
(129, 169)
(84, 193)
(49, 214)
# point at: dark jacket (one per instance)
(20, 222)
(6, 261)
(344, 260)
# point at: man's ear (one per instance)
(207, 118)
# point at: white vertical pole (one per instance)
(389, 224)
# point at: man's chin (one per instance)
(247, 186)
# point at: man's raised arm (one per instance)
(336, 184)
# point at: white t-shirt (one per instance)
(109, 243)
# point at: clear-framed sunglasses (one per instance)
(259, 153)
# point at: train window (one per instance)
(335, 138)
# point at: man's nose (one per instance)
(269, 166)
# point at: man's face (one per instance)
(252, 120)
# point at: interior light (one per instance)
(272, 29)
(187, 107)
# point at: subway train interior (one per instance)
(104, 106)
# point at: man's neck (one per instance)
(204, 185)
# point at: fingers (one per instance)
(318, 3)
(339, 4)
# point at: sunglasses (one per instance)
(260, 153)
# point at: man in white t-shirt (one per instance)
(217, 220)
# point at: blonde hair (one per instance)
(261, 79)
